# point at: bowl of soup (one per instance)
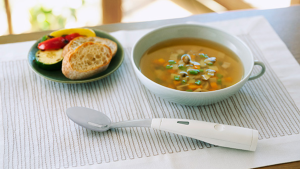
(193, 64)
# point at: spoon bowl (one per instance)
(89, 118)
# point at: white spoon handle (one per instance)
(217, 134)
(132, 123)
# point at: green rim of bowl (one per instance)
(57, 76)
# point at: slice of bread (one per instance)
(87, 60)
(73, 44)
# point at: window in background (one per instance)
(39, 15)
(3, 19)
(269, 4)
(148, 10)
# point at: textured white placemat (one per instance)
(37, 134)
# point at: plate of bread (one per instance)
(77, 55)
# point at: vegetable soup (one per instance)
(192, 65)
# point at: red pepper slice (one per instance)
(54, 43)
(71, 36)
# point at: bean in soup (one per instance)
(192, 65)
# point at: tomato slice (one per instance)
(72, 36)
(54, 43)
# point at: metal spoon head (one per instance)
(89, 118)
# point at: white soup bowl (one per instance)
(194, 31)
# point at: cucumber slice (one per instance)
(49, 59)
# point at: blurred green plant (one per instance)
(42, 18)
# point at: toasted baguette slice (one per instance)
(80, 40)
(87, 60)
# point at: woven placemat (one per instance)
(38, 134)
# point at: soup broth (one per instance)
(192, 65)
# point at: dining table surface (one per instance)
(285, 22)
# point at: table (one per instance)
(284, 21)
